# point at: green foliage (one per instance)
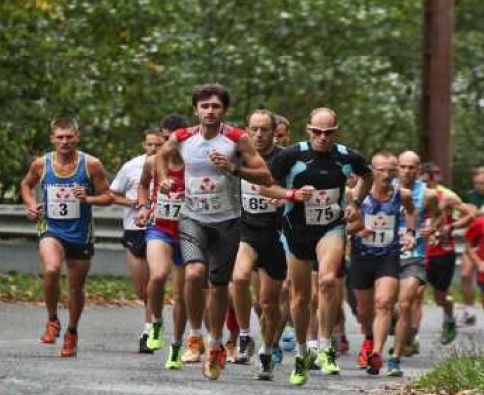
(460, 371)
(119, 67)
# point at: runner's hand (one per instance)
(409, 242)
(35, 212)
(142, 216)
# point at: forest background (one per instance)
(119, 67)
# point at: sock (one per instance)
(313, 344)
(147, 328)
(72, 331)
(469, 309)
(244, 332)
(413, 332)
(53, 317)
(158, 321)
(301, 350)
(195, 331)
(265, 349)
(176, 343)
(369, 336)
(324, 343)
(448, 318)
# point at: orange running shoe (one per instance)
(214, 363)
(195, 349)
(52, 332)
(365, 351)
(69, 349)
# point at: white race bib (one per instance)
(382, 226)
(207, 195)
(253, 202)
(168, 206)
(323, 207)
(61, 203)
(406, 254)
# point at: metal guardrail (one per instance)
(108, 222)
(14, 222)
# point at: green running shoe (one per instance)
(299, 374)
(174, 361)
(327, 361)
(155, 339)
(449, 332)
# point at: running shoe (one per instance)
(52, 332)
(264, 367)
(394, 367)
(365, 351)
(299, 374)
(466, 319)
(231, 349)
(375, 362)
(195, 349)
(214, 363)
(449, 332)
(277, 354)
(245, 349)
(143, 347)
(174, 361)
(69, 349)
(326, 360)
(155, 338)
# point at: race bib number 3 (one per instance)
(253, 202)
(382, 227)
(323, 207)
(61, 203)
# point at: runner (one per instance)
(412, 263)
(71, 181)
(163, 247)
(259, 248)
(475, 198)
(440, 254)
(475, 248)
(314, 175)
(375, 257)
(215, 156)
(124, 189)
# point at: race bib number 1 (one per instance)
(61, 203)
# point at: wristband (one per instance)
(290, 195)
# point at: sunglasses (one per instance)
(319, 131)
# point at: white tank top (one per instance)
(212, 195)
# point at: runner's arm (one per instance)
(102, 196)
(255, 169)
(27, 186)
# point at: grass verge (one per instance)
(460, 373)
(103, 290)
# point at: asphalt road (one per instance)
(108, 363)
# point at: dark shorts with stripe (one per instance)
(365, 270)
(134, 241)
(72, 251)
(268, 247)
(440, 271)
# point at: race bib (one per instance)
(382, 228)
(207, 195)
(323, 207)
(61, 203)
(168, 206)
(406, 254)
(253, 202)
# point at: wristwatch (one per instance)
(147, 205)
